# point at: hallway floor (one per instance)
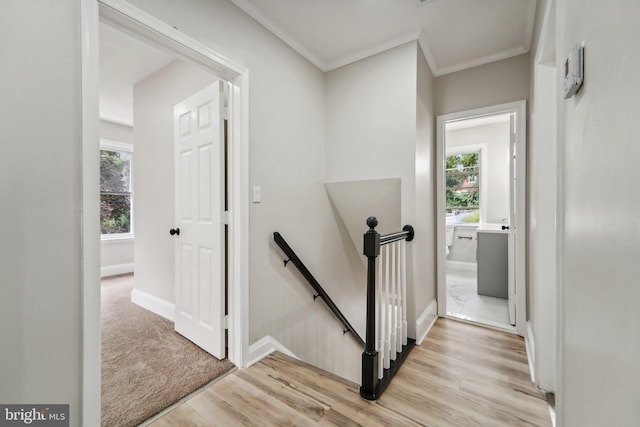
(461, 375)
(463, 301)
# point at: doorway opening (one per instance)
(175, 302)
(481, 182)
(147, 29)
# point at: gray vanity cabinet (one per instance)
(493, 266)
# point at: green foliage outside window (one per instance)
(462, 181)
(115, 192)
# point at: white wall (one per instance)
(496, 171)
(372, 115)
(371, 121)
(116, 131)
(600, 235)
(41, 291)
(424, 243)
(355, 200)
(286, 155)
(153, 101)
(542, 225)
(370, 129)
(116, 256)
(491, 84)
(541, 203)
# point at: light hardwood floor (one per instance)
(462, 375)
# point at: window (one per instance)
(463, 189)
(116, 189)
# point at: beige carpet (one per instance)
(146, 365)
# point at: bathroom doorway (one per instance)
(480, 204)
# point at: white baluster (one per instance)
(379, 320)
(403, 281)
(392, 303)
(398, 295)
(387, 320)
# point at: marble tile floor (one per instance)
(463, 301)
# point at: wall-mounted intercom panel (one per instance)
(573, 71)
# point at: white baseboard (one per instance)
(530, 346)
(264, 347)
(154, 304)
(426, 321)
(114, 270)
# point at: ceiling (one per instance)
(453, 34)
(124, 61)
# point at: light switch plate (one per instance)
(573, 73)
(257, 194)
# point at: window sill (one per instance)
(116, 239)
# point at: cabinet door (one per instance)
(493, 271)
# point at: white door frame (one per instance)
(520, 108)
(124, 16)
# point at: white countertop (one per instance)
(491, 228)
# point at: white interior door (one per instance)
(199, 246)
(513, 226)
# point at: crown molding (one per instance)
(373, 50)
(268, 23)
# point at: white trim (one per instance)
(518, 107)
(264, 347)
(415, 35)
(428, 54)
(116, 269)
(112, 144)
(425, 322)
(485, 323)
(125, 147)
(122, 15)
(238, 216)
(370, 51)
(530, 346)
(107, 239)
(248, 8)
(323, 65)
(90, 215)
(154, 304)
(552, 413)
(521, 213)
(483, 149)
(128, 18)
(561, 227)
(441, 222)
(505, 54)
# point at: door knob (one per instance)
(174, 231)
(504, 227)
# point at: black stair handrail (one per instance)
(320, 292)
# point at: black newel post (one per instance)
(370, 382)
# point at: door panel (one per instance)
(199, 291)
